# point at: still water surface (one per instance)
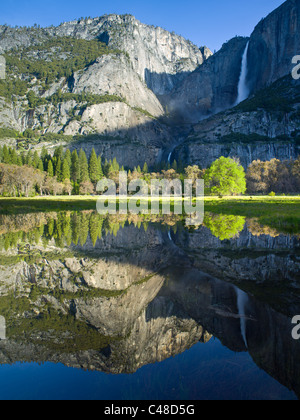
(132, 308)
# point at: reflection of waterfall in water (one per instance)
(243, 90)
(242, 299)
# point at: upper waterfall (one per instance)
(243, 90)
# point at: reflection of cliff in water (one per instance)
(135, 297)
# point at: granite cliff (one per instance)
(150, 90)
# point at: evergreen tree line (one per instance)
(67, 172)
(75, 171)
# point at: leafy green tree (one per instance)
(224, 226)
(225, 177)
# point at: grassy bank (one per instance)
(282, 213)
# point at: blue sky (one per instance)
(204, 22)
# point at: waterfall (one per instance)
(242, 299)
(169, 157)
(243, 90)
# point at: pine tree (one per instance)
(110, 168)
(75, 169)
(20, 161)
(115, 165)
(94, 168)
(35, 161)
(175, 166)
(84, 167)
(14, 157)
(6, 155)
(50, 169)
(44, 154)
(66, 171)
(59, 153)
(58, 170)
(100, 167)
(145, 168)
(68, 157)
(40, 166)
(29, 158)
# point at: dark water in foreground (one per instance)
(119, 308)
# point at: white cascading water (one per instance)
(242, 299)
(243, 90)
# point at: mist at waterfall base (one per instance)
(243, 90)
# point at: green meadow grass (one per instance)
(282, 213)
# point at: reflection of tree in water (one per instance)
(67, 228)
(64, 228)
(224, 226)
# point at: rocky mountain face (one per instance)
(273, 44)
(153, 90)
(212, 87)
(264, 127)
(141, 66)
(160, 58)
(260, 129)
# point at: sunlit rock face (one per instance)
(160, 58)
(143, 65)
(163, 86)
